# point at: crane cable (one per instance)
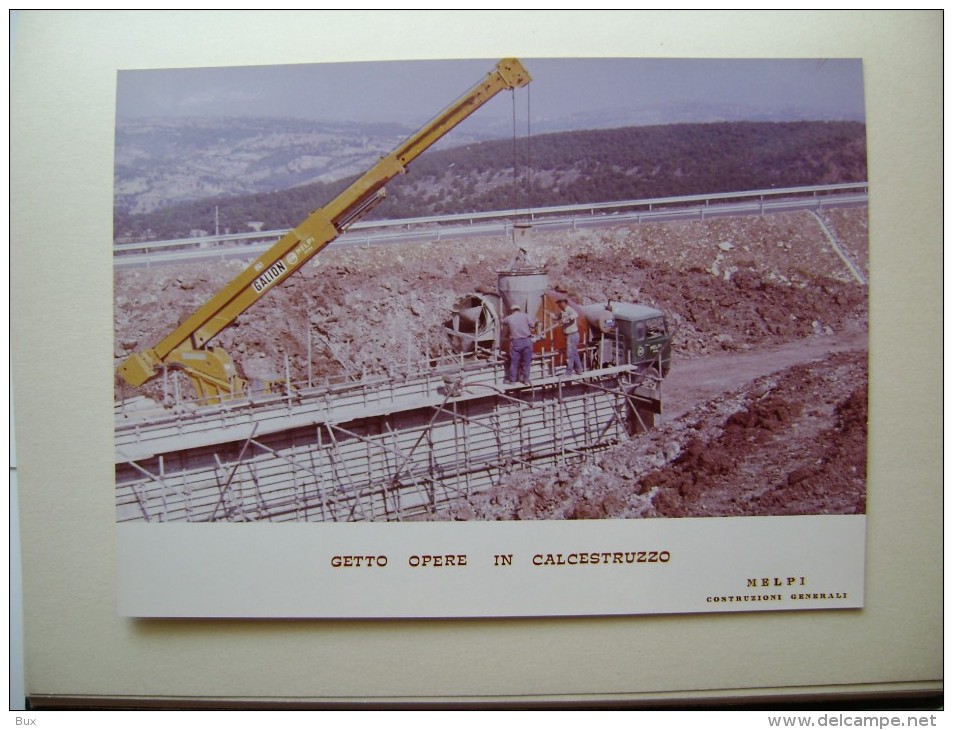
(529, 160)
(526, 197)
(515, 165)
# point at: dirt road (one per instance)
(693, 382)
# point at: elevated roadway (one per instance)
(500, 223)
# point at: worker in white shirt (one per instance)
(568, 318)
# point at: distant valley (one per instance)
(176, 178)
(164, 162)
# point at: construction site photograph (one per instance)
(659, 312)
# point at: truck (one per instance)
(210, 369)
(613, 333)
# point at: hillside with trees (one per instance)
(557, 169)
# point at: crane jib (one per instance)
(214, 377)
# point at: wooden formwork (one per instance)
(374, 450)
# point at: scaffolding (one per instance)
(376, 449)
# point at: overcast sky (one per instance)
(645, 90)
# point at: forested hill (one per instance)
(556, 169)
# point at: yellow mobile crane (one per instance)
(211, 369)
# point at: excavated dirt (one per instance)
(766, 406)
(793, 442)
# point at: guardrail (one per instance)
(754, 201)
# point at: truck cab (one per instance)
(642, 337)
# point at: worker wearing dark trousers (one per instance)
(521, 329)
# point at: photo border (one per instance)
(62, 106)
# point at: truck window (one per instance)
(655, 327)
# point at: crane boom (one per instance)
(212, 370)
